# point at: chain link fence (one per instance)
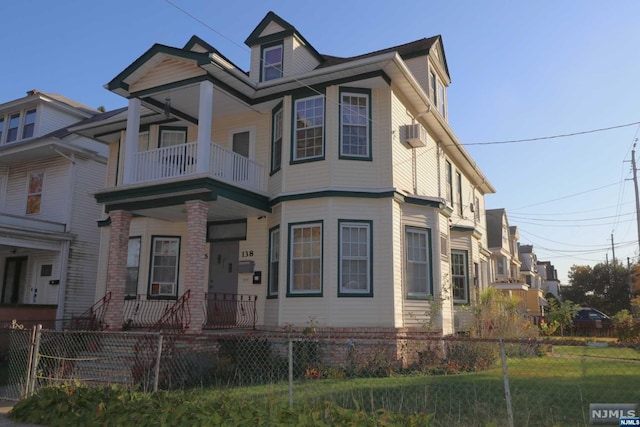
(462, 381)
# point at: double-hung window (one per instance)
(172, 136)
(12, 131)
(459, 188)
(1, 128)
(272, 62)
(29, 124)
(305, 254)
(355, 118)
(418, 262)
(276, 140)
(34, 192)
(274, 261)
(354, 254)
(133, 268)
(165, 257)
(460, 276)
(308, 140)
(500, 266)
(449, 183)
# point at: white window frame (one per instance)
(459, 193)
(418, 256)
(274, 262)
(501, 264)
(25, 116)
(38, 194)
(305, 254)
(133, 262)
(448, 173)
(162, 287)
(171, 131)
(17, 116)
(277, 66)
(3, 133)
(351, 118)
(316, 125)
(251, 131)
(349, 252)
(460, 272)
(442, 108)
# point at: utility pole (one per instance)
(613, 251)
(635, 187)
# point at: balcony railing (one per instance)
(181, 160)
(228, 311)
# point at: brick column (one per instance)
(117, 267)
(194, 273)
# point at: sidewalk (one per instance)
(5, 407)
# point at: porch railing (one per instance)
(228, 311)
(176, 317)
(141, 313)
(93, 318)
(181, 160)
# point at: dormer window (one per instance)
(272, 62)
(29, 124)
(437, 94)
(12, 132)
(17, 126)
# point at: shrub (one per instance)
(458, 356)
(626, 328)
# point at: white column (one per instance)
(131, 140)
(205, 117)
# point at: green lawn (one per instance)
(601, 352)
(547, 391)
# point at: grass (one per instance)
(598, 352)
(546, 391)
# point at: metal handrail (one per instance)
(228, 311)
(93, 318)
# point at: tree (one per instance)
(561, 313)
(604, 287)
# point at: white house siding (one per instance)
(271, 306)
(302, 60)
(55, 194)
(256, 247)
(331, 310)
(101, 276)
(89, 175)
(169, 70)
(419, 67)
(258, 124)
(50, 119)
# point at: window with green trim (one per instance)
(272, 62)
(355, 141)
(308, 138)
(305, 269)
(274, 261)
(460, 276)
(276, 140)
(165, 256)
(418, 261)
(354, 253)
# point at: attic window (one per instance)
(272, 62)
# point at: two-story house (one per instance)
(48, 238)
(549, 277)
(317, 188)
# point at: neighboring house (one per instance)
(549, 275)
(48, 237)
(312, 189)
(513, 265)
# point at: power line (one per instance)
(567, 197)
(564, 135)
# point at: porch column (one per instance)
(131, 140)
(117, 267)
(205, 117)
(194, 275)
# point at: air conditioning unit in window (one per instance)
(415, 135)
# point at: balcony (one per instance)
(180, 161)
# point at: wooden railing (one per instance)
(228, 311)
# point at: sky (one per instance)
(519, 70)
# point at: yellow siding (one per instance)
(168, 71)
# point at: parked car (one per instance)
(591, 321)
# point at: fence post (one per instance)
(507, 390)
(290, 372)
(156, 380)
(33, 362)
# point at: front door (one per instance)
(223, 283)
(15, 279)
(43, 292)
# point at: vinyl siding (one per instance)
(84, 250)
(419, 67)
(258, 243)
(49, 119)
(302, 59)
(168, 71)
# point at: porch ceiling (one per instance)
(220, 209)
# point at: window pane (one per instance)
(309, 128)
(274, 259)
(12, 131)
(29, 124)
(418, 274)
(354, 258)
(459, 275)
(306, 263)
(355, 125)
(169, 138)
(164, 266)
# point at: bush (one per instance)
(626, 328)
(458, 356)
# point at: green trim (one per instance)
(104, 222)
(427, 231)
(174, 112)
(118, 161)
(160, 202)
(151, 249)
(347, 293)
(332, 193)
(171, 128)
(290, 258)
(265, 46)
(358, 91)
(476, 233)
(118, 81)
(295, 99)
(206, 189)
(465, 254)
(436, 204)
(278, 108)
(271, 295)
(168, 86)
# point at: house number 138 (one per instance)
(246, 254)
